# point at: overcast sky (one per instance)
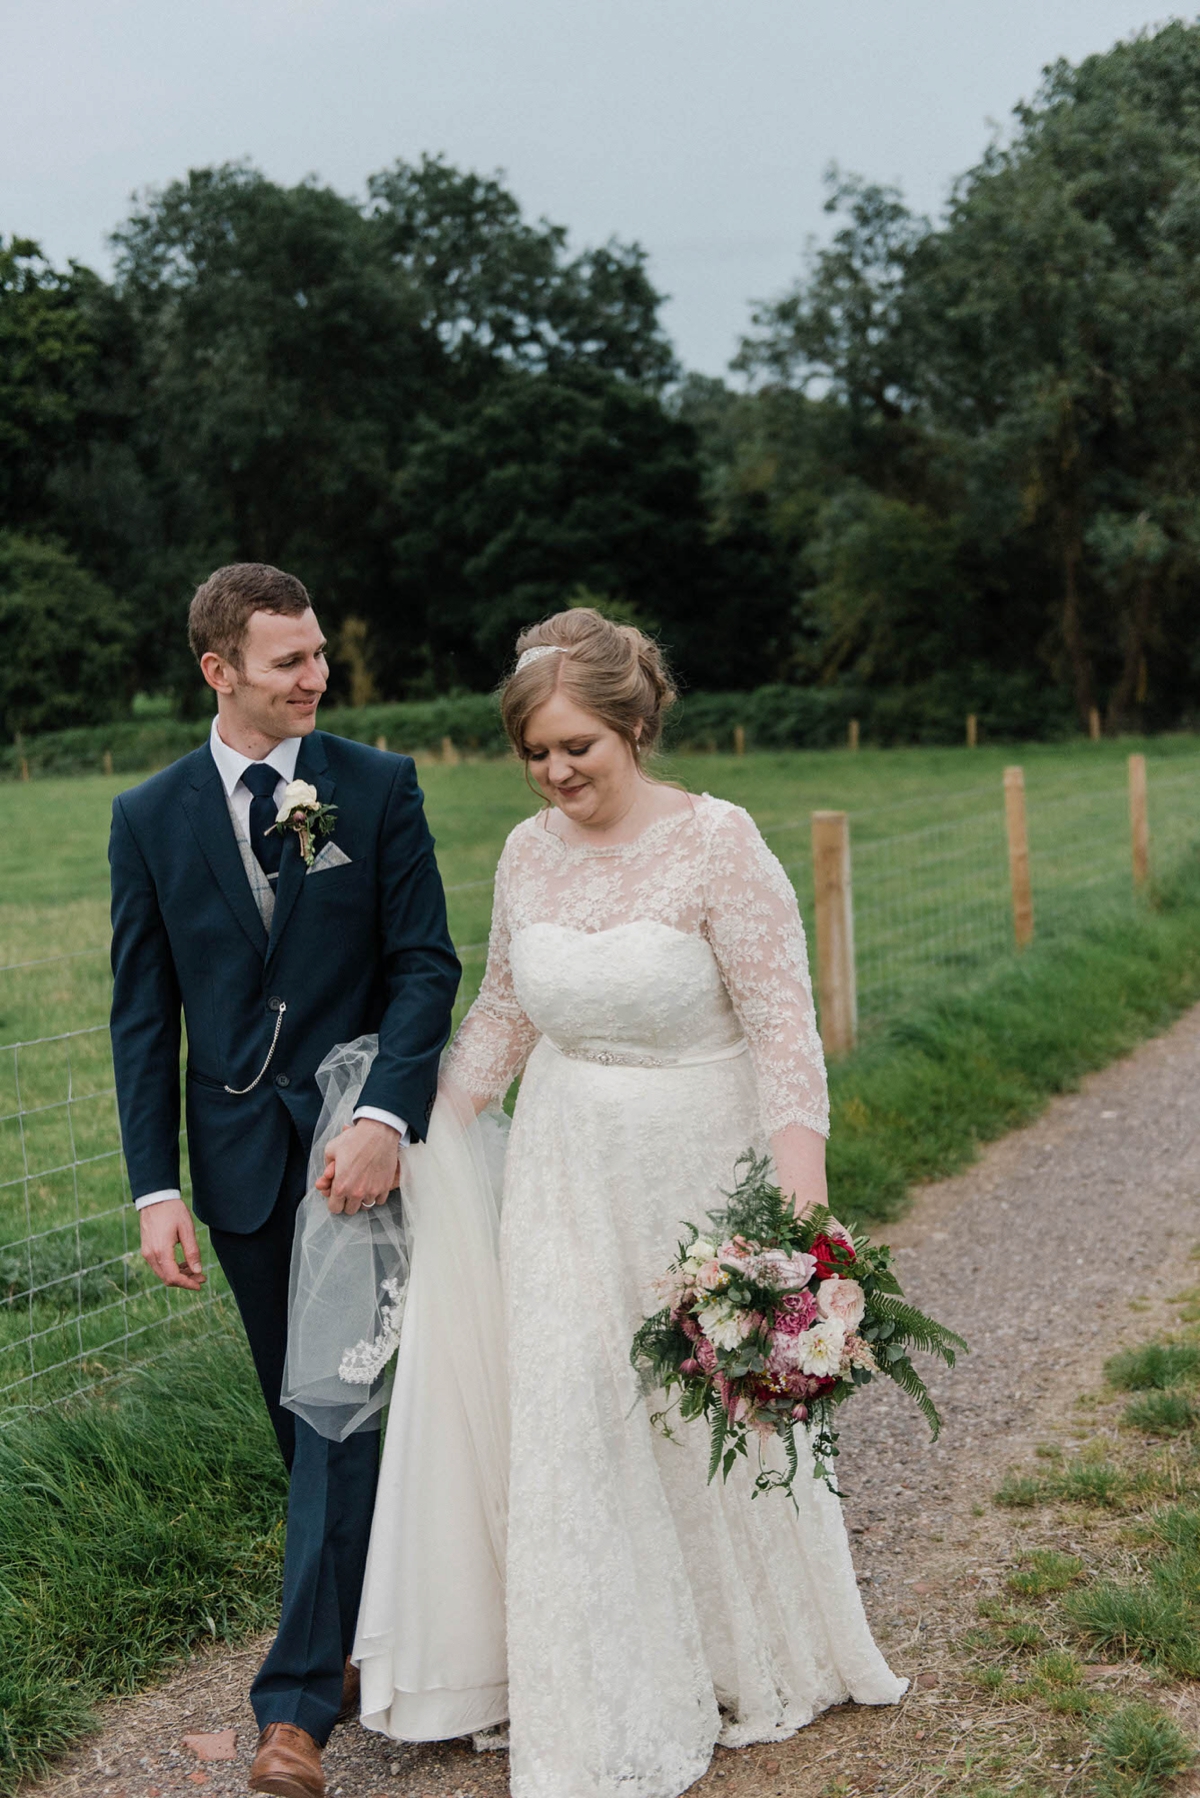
(701, 128)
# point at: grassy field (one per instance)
(117, 1569)
(960, 1039)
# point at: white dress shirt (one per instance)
(230, 765)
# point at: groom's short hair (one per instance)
(219, 615)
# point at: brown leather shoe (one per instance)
(351, 1693)
(287, 1764)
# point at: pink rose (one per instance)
(843, 1299)
(798, 1311)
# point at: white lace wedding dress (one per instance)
(657, 996)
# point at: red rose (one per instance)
(833, 1254)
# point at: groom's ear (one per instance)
(216, 671)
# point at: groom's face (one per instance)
(283, 674)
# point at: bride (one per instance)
(647, 975)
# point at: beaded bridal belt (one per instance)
(621, 1058)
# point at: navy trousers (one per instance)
(332, 1492)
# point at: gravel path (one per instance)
(1026, 1255)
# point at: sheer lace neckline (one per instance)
(648, 838)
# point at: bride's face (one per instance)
(582, 766)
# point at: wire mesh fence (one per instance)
(76, 1303)
(932, 911)
(932, 901)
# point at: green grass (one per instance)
(931, 1084)
(135, 1526)
(1153, 1366)
(962, 1040)
(1136, 1597)
(148, 1517)
(1138, 1750)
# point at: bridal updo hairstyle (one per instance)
(613, 671)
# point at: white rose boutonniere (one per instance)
(303, 812)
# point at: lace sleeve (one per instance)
(752, 923)
(494, 1039)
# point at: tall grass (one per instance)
(916, 1100)
(134, 1525)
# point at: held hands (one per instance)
(165, 1226)
(362, 1166)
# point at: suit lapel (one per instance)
(208, 814)
(311, 765)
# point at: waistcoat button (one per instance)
(282, 1080)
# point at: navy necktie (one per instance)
(262, 781)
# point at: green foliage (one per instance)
(1015, 388)
(920, 1096)
(46, 349)
(1154, 1365)
(1161, 1413)
(965, 480)
(49, 1267)
(1138, 1751)
(1018, 1492)
(135, 1526)
(294, 376)
(549, 481)
(1046, 1570)
(64, 640)
(758, 1216)
(774, 717)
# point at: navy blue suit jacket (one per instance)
(360, 947)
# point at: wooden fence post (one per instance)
(1093, 724)
(972, 731)
(381, 741)
(1018, 856)
(107, 763)
(450, 754)
(852, 735)
(1139, 821)
(24, 769)
(739, 739)
(837, 988)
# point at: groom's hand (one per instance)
(166, 1225)
(362, 1166)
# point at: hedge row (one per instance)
(1014, 708)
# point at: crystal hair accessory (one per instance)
(537, 652)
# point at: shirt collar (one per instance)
(231, 762)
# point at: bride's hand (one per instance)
(362, 1166)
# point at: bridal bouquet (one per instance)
(771, 1320)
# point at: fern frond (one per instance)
(910, 1381)
(920, 1330)
(720, 1429)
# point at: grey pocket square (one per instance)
(330, 857)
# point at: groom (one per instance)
(272, 961)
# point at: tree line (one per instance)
(955, 467)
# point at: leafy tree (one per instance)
(45, 351)
(547, 484)
(497, 291)
(1031, 368)
(273, 357)
(64, 641)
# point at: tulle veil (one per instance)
(419, 1280)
